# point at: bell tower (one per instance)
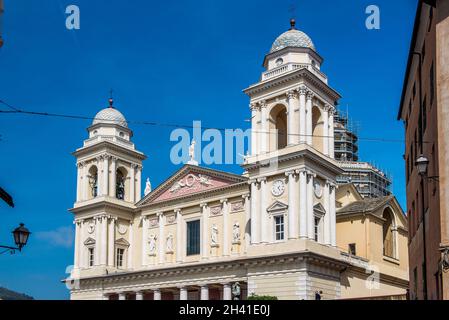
(291, 169)
(108, 186)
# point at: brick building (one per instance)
(424, 108)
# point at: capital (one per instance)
(310, 95)
(291, 94)
(203, 204)
(253, 106)
(262, 104)
(302, 90)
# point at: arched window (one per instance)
(93, 181)
(120, 183)
(278, 128)
(388, 234)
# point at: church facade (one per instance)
(207, 234)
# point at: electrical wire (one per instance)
(15, 110)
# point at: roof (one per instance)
(411, 50)
(110, 115)
(365, 205)
(292, 38)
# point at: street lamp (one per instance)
(21, 235)
(422, 163)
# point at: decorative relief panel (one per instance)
(154, 222)
(215, 210)
(171, 219)
(237, 206)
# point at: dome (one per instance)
(292, 38)
(110, 115)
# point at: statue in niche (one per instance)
(214, 235)
(152, 247)
(236, 232)
(169, 243)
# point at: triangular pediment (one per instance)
(89, 242)
(277, 206)
(122, 242)
(191, 180)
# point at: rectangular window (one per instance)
(279, 227)
(317, 227)
(423, 51)
(193, 237)
(414, 90)
(424, 114)
(430, 19)
(432, 84)
(91, 257)
(415, 284)
(424, 280)
(119, 257)
(351, 249)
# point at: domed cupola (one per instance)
(292, 38)
(110, 115)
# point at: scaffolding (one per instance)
(370, 181)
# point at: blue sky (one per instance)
(176, 62)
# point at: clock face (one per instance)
(278, 188)
(317, 188)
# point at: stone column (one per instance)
(227, 293)
(326, 130)
(309, 128)
(157, 294)
(331, 133)
(97, 240)
(179, 237)
(144, 240)
(255, 228)
(83, 253)
(105, 190)
(138, 183)
(292, 207)
(104, 240)
(333, 220)
(99, 176)
(264, 134)
(112, 186)
(131, 245)
(205, 231)
(254, 129)
(79, 181)
(161, 237)
(291, 132)
(327, 216)
(132, 183)
(111, 242)
(302, 114)
(310, 214)
(247, 221)
(303, 204)
(225, 210)
(204, 292)
(139, 295)
(263, 209)
(122, 296)
(76, 260)
(85, 183)
(183, 294)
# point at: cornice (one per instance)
(107, 145)
(292, 76)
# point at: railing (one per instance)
(292, 67)
(115, 139)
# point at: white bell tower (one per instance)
(108, 186)
(291, 168)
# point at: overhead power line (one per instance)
(15, 110)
